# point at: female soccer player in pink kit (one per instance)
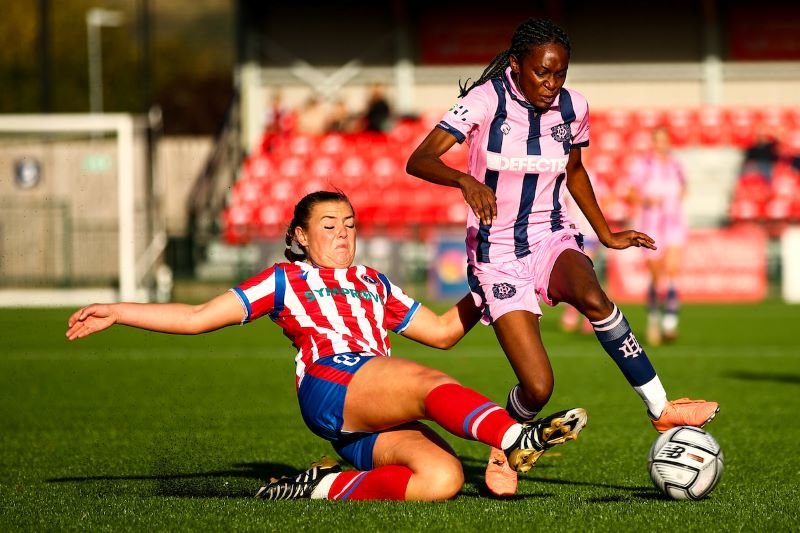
(657, 188)
(525, 133)
(367, 404)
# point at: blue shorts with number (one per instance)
(321, 397)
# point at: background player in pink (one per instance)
(657, 190)
(350, 391)
(525, 132)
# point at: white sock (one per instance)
(320, 492)
(511, 436)
(654, 396)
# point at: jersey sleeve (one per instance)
(262, 294)
(580, 137)
(467, 113)
(399, 308)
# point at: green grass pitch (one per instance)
(130, 430)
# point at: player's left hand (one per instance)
(88, 320)
(628, 238)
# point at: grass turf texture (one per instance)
(136, 430)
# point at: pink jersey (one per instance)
(328, 311)
(660, 183)
(522, 155)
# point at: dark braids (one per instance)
(302, 213)
(531, 33)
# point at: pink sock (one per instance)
(382, 483)
(465, 413)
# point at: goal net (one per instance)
(78, 210)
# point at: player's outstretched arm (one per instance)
(445, 330)
(580, 187)
(183, 319)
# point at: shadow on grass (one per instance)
(774, 377)
(474, 473)
(242, 480)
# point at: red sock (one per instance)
(465, 413)
(382, 483)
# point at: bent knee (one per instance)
(535, 395)
(431, 378)
(595, 305)
(440, 481)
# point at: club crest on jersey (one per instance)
(505, 128)
(503, 291)
(561, 133)
(368, 279)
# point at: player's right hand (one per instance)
(480, 199)
(88, 320)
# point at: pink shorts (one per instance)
(517, 285)
(668, 230)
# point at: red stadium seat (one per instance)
(259, 167)
(641, 141)
(746, 210)
(753, 186)
(406, 131)
(353, 166)
(282, 190)
(385, 168)
(742, 124)
(302, 145)
(611, 142)
(649, 118)
(603, 164)
(619, 119)
(712, 126)
(247, 192)
(778, 209)
(292, 167)
(323, 167)
(332, 144)
(774, 118)
(785, 183)
(237, 221)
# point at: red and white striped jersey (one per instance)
(328, 311)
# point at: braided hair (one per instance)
(302, 213)
(531, 33)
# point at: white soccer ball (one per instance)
(685, 463)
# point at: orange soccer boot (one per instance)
(685, 412)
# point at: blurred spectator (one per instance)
(278, 119)
(312, 118)
(279, 122)
(760, 157)
(339, 119)
(378, 112)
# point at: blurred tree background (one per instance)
(177, 55)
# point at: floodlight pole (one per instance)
(95, 19)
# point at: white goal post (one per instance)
(124, 128)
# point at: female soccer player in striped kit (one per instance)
(338, 315)
(525, 132)
(657, 189)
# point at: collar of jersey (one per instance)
(313, 266)
(519, 98)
